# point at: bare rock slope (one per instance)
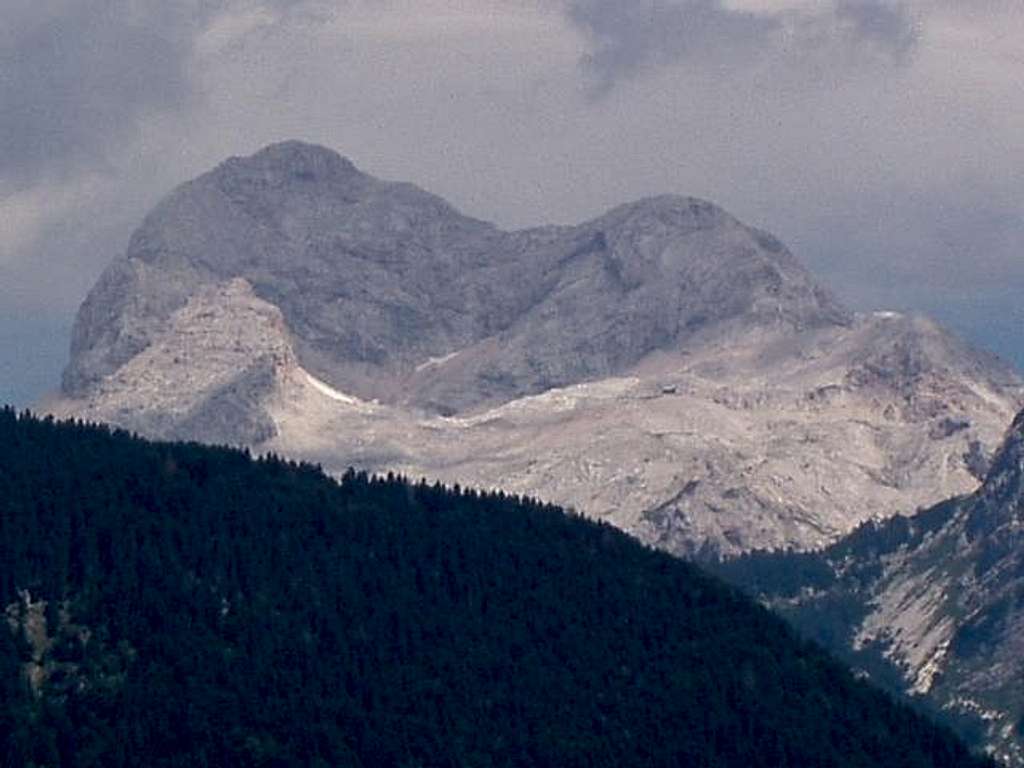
(662, 366)
(936, 598)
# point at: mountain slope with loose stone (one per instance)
(662, 366)
(934, 602)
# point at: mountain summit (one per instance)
(662, 366)
(378, 281)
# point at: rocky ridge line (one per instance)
(662, 366)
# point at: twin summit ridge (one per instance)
(375, 279)
(663, 366)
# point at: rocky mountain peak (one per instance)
(663, 365)
(377, 279)
(676, 212)
(737, 270)
(295, 159)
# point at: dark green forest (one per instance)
(180, 605)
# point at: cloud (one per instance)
(34, 350)
(886, 27)
(79, 78)
(629, 38)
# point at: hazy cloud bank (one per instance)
(628, 38)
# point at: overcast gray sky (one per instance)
(882, 140)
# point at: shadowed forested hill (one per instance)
(179, 605)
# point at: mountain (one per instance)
(663, 366)
(173, 605)
(375, 279)
(932, 603)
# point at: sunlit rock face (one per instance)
(662, 366)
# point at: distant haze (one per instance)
(882, 141)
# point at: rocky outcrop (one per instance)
(662, 366)
(935, 597)
(209, 374)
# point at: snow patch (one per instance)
(326, 389)
(433, 362)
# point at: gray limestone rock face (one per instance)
(662, 366)
(207, 375)
(232, 413)
(378, 281)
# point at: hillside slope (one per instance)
(933, 604)
(172, 605)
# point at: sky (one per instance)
(881, 140)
